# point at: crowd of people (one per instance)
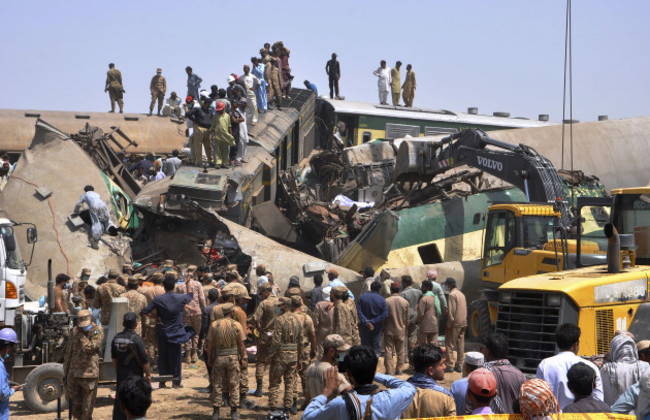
(325, 346)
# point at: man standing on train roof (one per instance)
(333, 70)
(383, 82)
(395, 87)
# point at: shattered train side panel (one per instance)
(56, 163)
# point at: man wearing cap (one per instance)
(80, 284)
(158, 88)
(193, 83)
(395, 329)
(323, 316)
(333, 276)
(104, 297)
(481, 389)
(431, 399)
(395, 83)
(170, 332)
(275, 82)
(208, 284)
(334, 351)
(427, 316)
(308, 351)
(333, 70)
(436, 289)
(192, 314)
(286, 344)
(346, 320)
(264, 317)
(201, 117)
(136, 301)
(130, 357)
(225, 355)
(149, 321)
(509, 378)
(235, 91)
(413, 296)
(221, 131)
(473, 361)
(456, 326)
(252, 83)
(372, 311)
(81, 366)
(239, 314)
(173, 106)
(114, 87)
(172, 164)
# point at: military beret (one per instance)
(293, 291)
(227, 308)
(296, 300)
(339, 290)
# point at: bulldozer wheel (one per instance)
(43, 386)
(480, 324)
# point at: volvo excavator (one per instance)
(520, 239)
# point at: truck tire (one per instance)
(479, 322)
(43, 386)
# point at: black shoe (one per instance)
(293, 410)
(206, 390)
(258, 392)
(448, 370)
(177, 385)
(162, 385)
(458, 369)
(246, 403)
(226, 399)
(215, 413)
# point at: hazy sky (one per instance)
(495, 55)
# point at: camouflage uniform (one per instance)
(115, 88)
(286, 343)
(225, 336)
(304, 357)
(105, 293)
(81, 369)
(346, 323)
(240, 316)
(158, 88)
(149, 321)
(137, 302)
(265, 315)
(192, 315)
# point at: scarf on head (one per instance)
(420, 380)
(537, 400)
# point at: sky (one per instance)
(497, 55)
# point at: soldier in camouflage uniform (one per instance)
(346, 322)
(158, 88)
(264, 317)
(79, 285)
(149, 321)
(239, 314)
(103, 299)
(114, 87)
(137, 301)
(208, 283)
(81, 366)
(308, 342)
(225, 354)
(286, 344)
(192, 315)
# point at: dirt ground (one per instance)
(185, 403)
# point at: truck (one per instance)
(600, 299)
(519, 238)
(13, 270)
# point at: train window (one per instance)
(366, 137)
(429, 254)
(432, 131)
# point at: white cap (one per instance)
(326, 293)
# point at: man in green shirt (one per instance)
(221, 135)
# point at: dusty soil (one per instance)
(185, 403)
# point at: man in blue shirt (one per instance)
(372, 311)
(8, 340)
(171, 332)
(473, 360)
(333, 276)
(309, 85)
(365, 397)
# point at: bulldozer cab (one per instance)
(520, 240)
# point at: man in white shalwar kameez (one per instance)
(99, 215)
(383, 82)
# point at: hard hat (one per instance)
(220, 106)
(231, 78)
(8, 335)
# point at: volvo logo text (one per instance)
(489, 163)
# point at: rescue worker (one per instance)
(100, 218)
(308, 351)
(114, 87)
(103, 298)
(192, 315)
(222, 137)
(8, 341)
(136, 301)
(395, 79)
(239, 314)
(225, 355)
(81, 366)
(408, 88)
(286, 344)
(346, 322)
(264, 317)
(158, 88)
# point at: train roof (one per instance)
(364, 108)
